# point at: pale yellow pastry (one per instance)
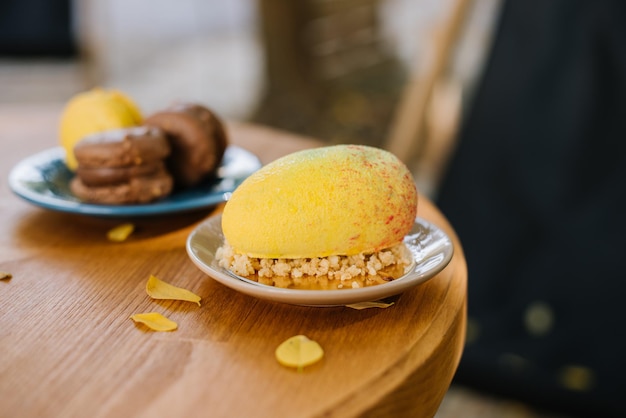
(340, 211)
(338, 200)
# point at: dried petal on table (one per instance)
(374, 304)
(158, 289)
(299, 351)
(155, 321)
(5, 275)
(120, 232)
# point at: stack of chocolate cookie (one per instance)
(122, 166)
(178, 147)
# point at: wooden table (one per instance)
(69, 349)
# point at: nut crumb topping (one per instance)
(332, 272)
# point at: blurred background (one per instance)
(389, 73)
(336, 70)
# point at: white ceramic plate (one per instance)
(431, 248)
(43, 180)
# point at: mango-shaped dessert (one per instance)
(336, 200)
(94, 111)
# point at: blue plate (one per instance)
(43, 180)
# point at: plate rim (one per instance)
(319, 298)
(60, 204)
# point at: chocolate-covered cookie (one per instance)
(197, 138)
(122, 166)
(122, 147)
(102, 176)
(142, 189)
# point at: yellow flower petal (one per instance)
(299, 351)
(4, 275)
(155, 321)
(120, 232)
(365, 305)
(158, 289)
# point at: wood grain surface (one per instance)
(69, 349)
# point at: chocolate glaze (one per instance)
(197, 138)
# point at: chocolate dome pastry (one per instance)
(197, 138)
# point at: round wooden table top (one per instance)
(68, 347)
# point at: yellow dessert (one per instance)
(93, 111)
(337, 212)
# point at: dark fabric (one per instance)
(537, 193)
(32, 28)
